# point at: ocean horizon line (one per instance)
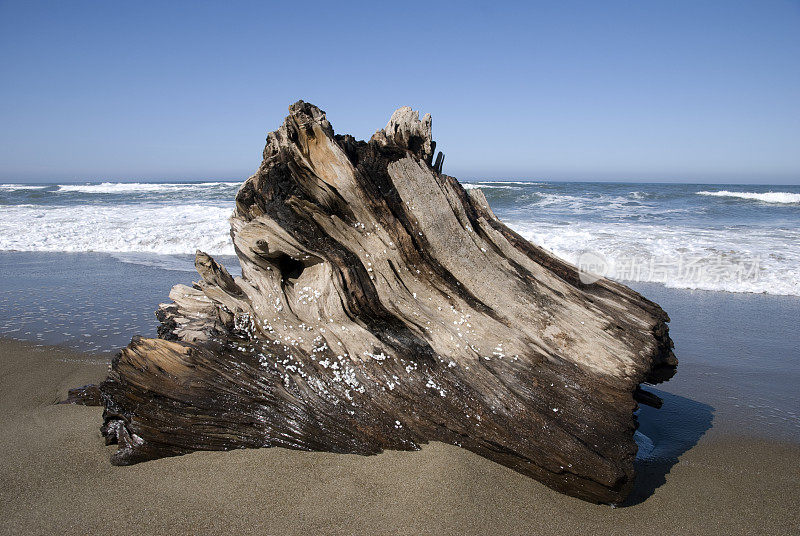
(57, 182)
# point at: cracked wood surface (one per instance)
(382, 306)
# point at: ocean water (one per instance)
(721, 237)
(86, 265)
(729, 238)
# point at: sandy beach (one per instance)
(549, 250)
(58, 480)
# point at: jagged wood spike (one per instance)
(437, 167)
(647, 398)
(382, 306)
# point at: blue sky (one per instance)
(696, 91)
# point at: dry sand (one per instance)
(56, 479)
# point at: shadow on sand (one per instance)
(663, 435)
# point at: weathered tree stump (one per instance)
(382, 306)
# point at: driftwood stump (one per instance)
(382, 306)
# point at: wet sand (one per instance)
(57, 480)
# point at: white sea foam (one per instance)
(646, 445)
(150, 228)
(772, 254)
(611, 206)
(472, 186)
(615, 224)
(765, 197)
(522, 183)
(137, 187)
(16, 187)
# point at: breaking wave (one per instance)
(18, 187)
(734, 260)
(765, 197)
(473, 186)
(138, 222)
(145, 228)
(137, 187)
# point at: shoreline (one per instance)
(183, 263)
(739, 353)
(59, 480)
(724, 456)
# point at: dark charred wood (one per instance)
(382, 306)
(88, 395)
(437, 167)
(647, 398)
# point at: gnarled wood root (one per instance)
(382, 306)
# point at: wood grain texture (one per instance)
(382, 306)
